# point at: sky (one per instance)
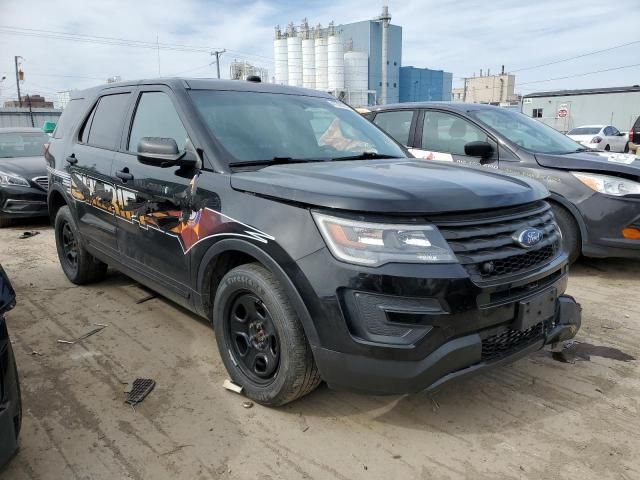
(459, 36)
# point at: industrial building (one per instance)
(34, 101)
(566, 109)
(357, 62)
(360, 63)
(424, 84)
(491, 89)
(241, 70)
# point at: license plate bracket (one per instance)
(535, 309)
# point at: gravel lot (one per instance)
(538, 418)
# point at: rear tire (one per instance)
(626, 148)
(78, 264)
(4, 222)
(261, 339)
(571, 240)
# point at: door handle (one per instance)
(124, 175)
(72, 159)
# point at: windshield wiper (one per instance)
(365, 156)
(275, 161)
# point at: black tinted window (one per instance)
(396, 124)
(156, 117)
(106, 126)
(69, 118)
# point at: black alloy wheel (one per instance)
(69, 246)
(253, 337)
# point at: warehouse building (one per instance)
(566, 109)
(424, 84)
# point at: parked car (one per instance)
(634, 137)
(302, 231)
(10, 400)
(23, 174)
(595, 195)
(600, 137)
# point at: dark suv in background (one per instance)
(303, 232)
(10, 399)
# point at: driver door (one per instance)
(149, 233)
(442, 136)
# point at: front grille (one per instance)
(503, 344)
(43, 182)
(484, 245)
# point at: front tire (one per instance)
(4, 222)
(571, 240)
(261, 339)
(78, 264)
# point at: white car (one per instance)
(600, 137)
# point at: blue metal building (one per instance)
(424, 84)
(366, 36)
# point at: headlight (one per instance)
(15, 180)
(375, 244)
(607, 184)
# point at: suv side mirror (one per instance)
(163, 152)
(478, 149)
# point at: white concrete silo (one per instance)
(308, 57)
(322, 80)
(280, 58)
(356, 78)
(335, 61)
(294, 52)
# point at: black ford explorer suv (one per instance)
(595, 195)
(318, 250)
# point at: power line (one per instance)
(123, 42)
(580, 74)
(586, 54)
(577, 56)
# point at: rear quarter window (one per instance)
(69, 118)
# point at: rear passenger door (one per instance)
(90, 159)
(442, 136)
(150, 233)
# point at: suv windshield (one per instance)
(530, 134)
(254, 126)
(22, 144)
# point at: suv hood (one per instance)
(27, 167)
(389, 186)
(606, 162)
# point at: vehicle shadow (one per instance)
(613, 268)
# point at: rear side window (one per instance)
(106, 127)
(156, 117)
(396, 124)
(69, 118)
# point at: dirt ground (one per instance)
(538, 418)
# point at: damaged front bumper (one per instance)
(455, 359)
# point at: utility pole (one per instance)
(217, 53)
(18, 79)
(30, 110)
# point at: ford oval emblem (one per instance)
(528, 237)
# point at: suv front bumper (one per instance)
(454, 359)
(404, 328)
